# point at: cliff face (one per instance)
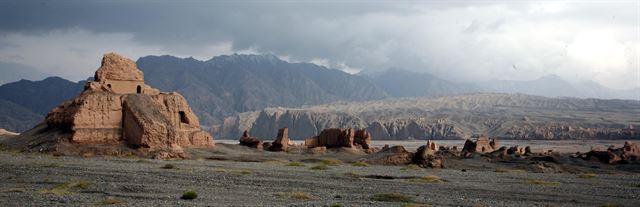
(504, 116)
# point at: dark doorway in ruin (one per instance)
(139, 89)
(183, 117)
(483, 149)
(109, 85)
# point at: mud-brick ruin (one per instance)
(119, 107)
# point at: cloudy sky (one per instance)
(457, 40)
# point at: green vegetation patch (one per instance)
(296, 164)
(360, 164)
(352, 174)
(331, 162)
(542, 182)
(242, 172)
(64, 189)
(320, 167)
(506, 170)
(392, 197)
(189, 195)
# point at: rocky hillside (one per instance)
(24, 103)
(506, 116)
(228, 84)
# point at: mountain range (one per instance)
(227, 85)
(506, 116)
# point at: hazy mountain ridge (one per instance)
(24, 103)
(227, 85)
(513, 116)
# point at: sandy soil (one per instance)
(251, 178)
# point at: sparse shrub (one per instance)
(360, 164)
(296, 164)
(542, 182)
(320, 167)
(410, 167)
(587, 175)
(189, 195)
(427, 179)
(111, 201)
(505, 170)
(392, 197)
(337, 205)
(299, 195)
(352, 174)
(242, 172)
(63, 189)
(331, 162)
(169, 166)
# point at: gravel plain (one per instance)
(34, 179)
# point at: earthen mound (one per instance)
(118, 109)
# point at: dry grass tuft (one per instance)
(64, 189)
(331, 162)
(352, 174)
(427, 179)
(587, 175)
(506, 170)
(320, 167)
(542, 182)
(169, 166)
(392, 197)
(296, 164)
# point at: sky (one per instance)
(456, 40)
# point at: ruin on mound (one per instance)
(118, 107)
(481, 145)
(337, 137)
(280, 144)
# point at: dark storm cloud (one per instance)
(460, 40)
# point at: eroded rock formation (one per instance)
(118, 107)
(249, 141)
(339, 137)
(482, 145)
(282, 141)
(630, 152)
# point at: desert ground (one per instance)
(239, 176)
